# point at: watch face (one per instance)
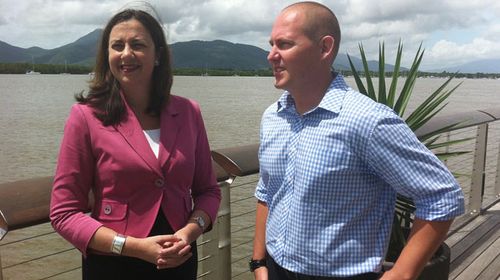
(200, 222)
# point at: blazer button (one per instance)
(107, 209)
(159, 182)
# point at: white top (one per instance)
(153, 137)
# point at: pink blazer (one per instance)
(129, 183)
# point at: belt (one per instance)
(298, 276)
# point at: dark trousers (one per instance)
(277, 272)
(96, 267)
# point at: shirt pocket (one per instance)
(112, 211)
(113, 214)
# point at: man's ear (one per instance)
(327, 44)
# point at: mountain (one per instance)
(9, 53)
(478, 66)
(342, 63)
(194, 54)
(82, 51)
(216, 54)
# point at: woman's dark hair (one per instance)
(104, 90)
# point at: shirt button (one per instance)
(107, 209)
(159, 182)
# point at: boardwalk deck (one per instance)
(475, 248)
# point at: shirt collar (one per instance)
(332, 101)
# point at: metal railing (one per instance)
(224, 252)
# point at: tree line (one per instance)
(22, 68)
(422, 74)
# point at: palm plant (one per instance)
(398, 101)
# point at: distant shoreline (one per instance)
(23, 68)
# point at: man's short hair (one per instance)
(320, 21)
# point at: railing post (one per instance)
(497, 177)
(447, 147)
(4, 228)
(214, 247)
(224, 230)
(1, 277)
(208, 255)
(478, 170)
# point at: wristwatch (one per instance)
(199, 221)
(254, 264)
(117, 244)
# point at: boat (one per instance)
(65, 68)
(32, 71)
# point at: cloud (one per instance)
(237, 21)
(417, 22)
(478, 49)
(448, 29)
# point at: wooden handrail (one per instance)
(238, 161)
(26, 202)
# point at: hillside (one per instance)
(216, 54)
(194, 54)
(478, 66)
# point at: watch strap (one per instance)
(254, 264)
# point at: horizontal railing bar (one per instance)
(252, 183)
(242, 214)
(242, 229)
(39, 258)
(61, 273)
(242, 199)
(205, 258)
(243, 243)
(238, 274)
(26, 238)
(246, 257)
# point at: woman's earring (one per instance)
(157, 63)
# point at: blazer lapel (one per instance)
(168, 132)
(132, 131)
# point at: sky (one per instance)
(452, 32)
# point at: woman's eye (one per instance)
(138, 45)
(117, 47)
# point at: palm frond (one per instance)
(407, 90)
(357, 78)
(382, 97)
(395, 75)
(368, 77)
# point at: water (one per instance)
(33, 109)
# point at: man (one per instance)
(331, 162)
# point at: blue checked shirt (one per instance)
(330, 179)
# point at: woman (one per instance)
(143, 153)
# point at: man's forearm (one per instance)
(425, 238)
(259, 242)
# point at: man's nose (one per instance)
(273, 54)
